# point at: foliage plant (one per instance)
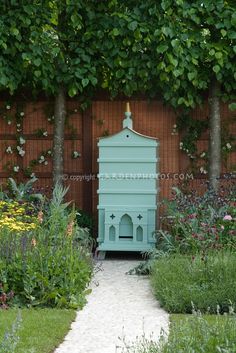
(47, 266)
(207, 282)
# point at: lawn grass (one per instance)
(41, 330)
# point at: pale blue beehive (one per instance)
(127, 190)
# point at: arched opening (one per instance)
(139, 233)
(112, 233)
(126, 228)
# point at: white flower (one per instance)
(22, 113)
(174, 126)
(49, 119)
(22, 153)
(75, 154)
(16, 168)
(228, 145)
(18, 125)
(49, 152)
(41, 159)
(46, 163)
(8, 107)
(45, 133)
(202, 154)
(22, 140)
(9, 122)
(9, 150)
(75, 110)
(203, 170)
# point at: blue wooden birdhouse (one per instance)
(128, 188)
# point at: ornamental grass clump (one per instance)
(47, 266)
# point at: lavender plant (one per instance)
(11, 338)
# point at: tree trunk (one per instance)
(58, 139)
(215, 135)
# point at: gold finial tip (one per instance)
(127, 107)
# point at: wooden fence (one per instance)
(32, 121)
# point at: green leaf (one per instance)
(15, 31)
(191, 75)
(162, 48)
(174, 42)
(234, 48)
(218, 55)
(212, 52)
(216, 69)
(181, 100)
(37, 73)
(37, 62)
(177, 73)
(115, 32)
(223, 32)
(85, 82)
(167, 32)
(94, 81)
(232, 106)
(133, 25)
(3, 80)
(120, 73)
(72, 91)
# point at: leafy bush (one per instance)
(47, 266)
(195, 334)
(206, 281)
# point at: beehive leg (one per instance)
(101, 255)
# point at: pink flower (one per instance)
(227, 218)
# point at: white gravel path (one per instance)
(120, 307)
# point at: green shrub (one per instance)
(195, 334)
(207, 282)
(48, 266)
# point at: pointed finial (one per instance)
(127, 107)
(127, 122)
